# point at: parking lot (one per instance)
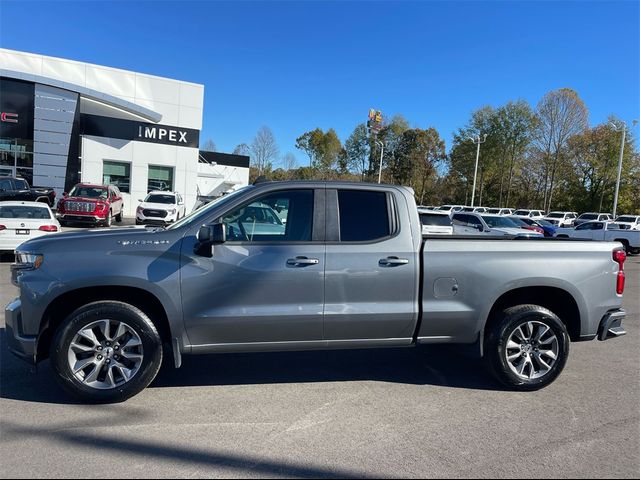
(370, 413)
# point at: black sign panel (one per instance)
(142, 132)
(16, 109)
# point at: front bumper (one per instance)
(23, 346)
(611, 325)
(75, 218)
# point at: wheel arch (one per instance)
(66, 303)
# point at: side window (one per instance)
(585, 226)
(473, 221)
(5, 185)
(364, 215)
(598, 226)
(460, 220)
(259, 221)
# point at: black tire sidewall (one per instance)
(498, 338)
(136, 319)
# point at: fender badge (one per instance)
(126, 243)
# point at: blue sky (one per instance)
(295, 66)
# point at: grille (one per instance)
(85, 207)
(154, 213)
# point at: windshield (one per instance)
(556, 215)
(588, 216)
(435, 220)
(493, 210)
(203, 211)
(446, 208)
(544, 223)
(499, 222)
(521, 212)
(517, 221)
(165, 199)
(24, 212)
(88, 192)
(628, 219)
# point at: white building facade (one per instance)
(63, 122)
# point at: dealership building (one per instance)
(63, 122)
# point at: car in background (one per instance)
(22, 221)
(18, 189)
(500, 211)
(561, 219)
(540, 225)
(524, 213)
(450, 208)
(592, 217)
(606, 231)
(474, 209)
(494, 225)
(160, 208)
(91, 204)
(435, 222)
(628, 222)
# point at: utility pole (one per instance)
(379, 142)
(622, 127)
(475, 174)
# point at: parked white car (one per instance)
(435, 222)
(494, 225)
(500, 211)
(592, 217)
(160, 208)
(22, 221)
(603, 231)
(535, 214)
(561, 219)
(631, 222)
(474, 209)
(450, 208)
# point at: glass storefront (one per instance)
(16, 158)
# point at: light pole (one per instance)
(622, 127)
(379, 142)
(475, 174)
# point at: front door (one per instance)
(265, 284)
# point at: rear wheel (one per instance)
(109, 219)
(527, 348)
(119, 217)
(106, 352)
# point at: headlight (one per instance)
(172, 211)
(29, 260)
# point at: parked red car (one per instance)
(91, 204)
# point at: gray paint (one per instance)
(245, 298)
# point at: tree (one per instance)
(357, 150)
(264, 149)
(324, 150)
(390, 136)
(209, 146)
(561, 114)
(242, 149)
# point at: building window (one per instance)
(160, 179)
(118, 174)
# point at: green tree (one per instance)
(357, 150)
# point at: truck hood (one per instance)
(67, 240)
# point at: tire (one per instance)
(119, 217)
(514, 324)
(625, 244)
(140, 353)
(109, 219)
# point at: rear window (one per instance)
(493, 210)
(364, 215)
(556, 215)
(521, 212)
(435, 220)
(24, 212)
(588, 216)
(626, 219)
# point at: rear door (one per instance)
(372, 268)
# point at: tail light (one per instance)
(2, 227)
(619, 256)
(48, 228)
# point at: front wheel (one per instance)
(527, 348)
(106, 352)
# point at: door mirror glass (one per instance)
(209, 235)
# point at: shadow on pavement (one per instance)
(163, 452)
(436, 365)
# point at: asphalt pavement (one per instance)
(372, 413)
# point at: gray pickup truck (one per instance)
(349, 269)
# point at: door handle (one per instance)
(302, 262)
(393, 261)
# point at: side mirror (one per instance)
(209, 235)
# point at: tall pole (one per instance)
(615, 196)
(379, 142)
(475, 173)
